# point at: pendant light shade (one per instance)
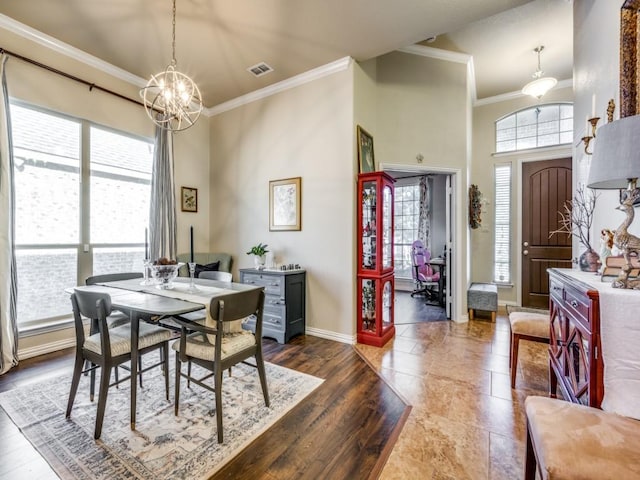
(540, 85)
(172, 100)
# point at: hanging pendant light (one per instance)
(540, 85)
(172, 100)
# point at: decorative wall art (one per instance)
(285, 204)
(366, 159)
(189, 198)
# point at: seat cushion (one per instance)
(528, 323)
(120, 338)
(577, 442)
(483, 296)
(199, 347)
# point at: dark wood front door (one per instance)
(546, 186)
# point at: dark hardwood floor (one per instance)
(344, 430)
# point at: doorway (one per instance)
(546, 187)
(423, 201)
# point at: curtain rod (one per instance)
(91, 85)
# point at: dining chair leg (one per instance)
(176, 396)
(515, 342)
(92, 387)
(140, 369)
(115, 373)
(218, 388)
(77, 373)
(165, 367)
(102, 399)
(263, 378)
(189, 374)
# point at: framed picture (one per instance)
(285, 204)
(365, 151)
(189, 199)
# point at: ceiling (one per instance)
(217, 40)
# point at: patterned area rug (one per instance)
(163, 446)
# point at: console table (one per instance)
(284, 303)
(594, 342)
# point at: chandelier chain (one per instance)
(173, 37)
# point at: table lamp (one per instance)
(615, 164)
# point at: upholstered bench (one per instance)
(526, 324)
(567, 441)
(482, 296)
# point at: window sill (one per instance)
(41, 328)
(503, 285)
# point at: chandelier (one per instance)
(172, 100)
(540, 85)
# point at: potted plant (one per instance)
(576, 220)
(258, 252)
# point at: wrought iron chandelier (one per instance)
(541, 85)
(172, 100)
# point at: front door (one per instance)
(546, 187)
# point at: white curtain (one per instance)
(162, 221)
(424, 213)
(8, 281)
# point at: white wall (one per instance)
(596, 72)
(304, 132)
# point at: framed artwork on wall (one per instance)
(366, 160)
(189, 198)
(285, 204)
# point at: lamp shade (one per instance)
(537, 88)
(616, 155)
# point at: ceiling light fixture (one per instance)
(172, 100)
(541, 85)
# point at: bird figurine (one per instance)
(627, 243)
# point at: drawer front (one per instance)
(269, 321)
(273, 284)
(578, 306)
(556, 290)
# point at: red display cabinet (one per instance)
(375, 258)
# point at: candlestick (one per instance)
(191, 230)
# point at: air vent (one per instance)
(260, 69)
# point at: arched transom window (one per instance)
(539, 126)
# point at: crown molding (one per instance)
(56, 45)
(503, 97)
(438, 53)
(300, 79)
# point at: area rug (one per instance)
(163, 446)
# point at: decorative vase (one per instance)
(589, 261)
(258, 261)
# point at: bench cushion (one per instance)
(573, 441)
(483, 296)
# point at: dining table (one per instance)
(142, 299)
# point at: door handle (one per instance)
(525, 252)
(525, 244)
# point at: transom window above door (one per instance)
(540, 126)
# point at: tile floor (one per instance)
(466, 422)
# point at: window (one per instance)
(541, 126)
(406, 212)
(51, 228)
(502, 240)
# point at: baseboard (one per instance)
(25, 353)
(329, 335)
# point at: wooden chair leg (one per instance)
(263, 378)
(530, 458)
(77, 373)
(493, 317)
(92, 387)
(176, 396)
(218, 388)
(515, 342)
(140, 370)
(165, 367)
(189, 374)
(102, 399)
(471, 314)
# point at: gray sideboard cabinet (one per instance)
(284, 303)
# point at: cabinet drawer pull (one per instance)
(574, 304)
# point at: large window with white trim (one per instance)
(502, 224)
(539, 126)
(63, 229)
(406, 211)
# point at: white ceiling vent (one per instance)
(260, 69)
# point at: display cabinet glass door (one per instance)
(368, 227)
(387, 227)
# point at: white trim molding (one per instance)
(513, 95)
(289, 83)
(24, 353)
(329, 335)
